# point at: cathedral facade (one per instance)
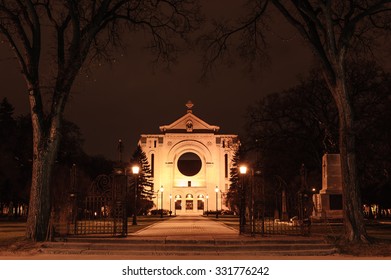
(190, 163)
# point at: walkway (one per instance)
(188, 227)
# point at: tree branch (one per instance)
(218, 42)
(16, 50)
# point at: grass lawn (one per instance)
(229, 220)
(13, 232)
(379, 233)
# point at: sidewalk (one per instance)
(187, 228)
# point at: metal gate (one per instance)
(272, 211)
(102, 210)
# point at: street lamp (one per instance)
(243, 169)
(207, 205)
(170, 204)
(135, 171)
(242, 217)
(157, 202)
(217, 197)
(161, 190)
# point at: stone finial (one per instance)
(189, 105)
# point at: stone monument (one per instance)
(328, 203)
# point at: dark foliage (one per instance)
(300, 124)
(16, 160)
(145, 190)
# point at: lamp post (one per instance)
(242, 217)
(217, 197)
(170, 204)
(161, 206)
(157, 201)
(135, 171)
(207, 205)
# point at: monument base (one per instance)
(328, 203)
(327, 206)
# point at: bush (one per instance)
(156, 212)
(220, 212)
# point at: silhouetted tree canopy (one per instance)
(15, 162)
(300, 124)
(53, 40)
(333, 30)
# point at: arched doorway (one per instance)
(189, 203)
(201, 202)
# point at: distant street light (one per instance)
(161, 190)
(207, 205)
(135, 171)
(170, 204)
(217, 197)
(243, 169)
(242, 217)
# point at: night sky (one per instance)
(129, 97)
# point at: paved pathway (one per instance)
(188, 227)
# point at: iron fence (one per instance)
(103, 210)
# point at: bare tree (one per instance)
(332, 29)
(64, 34)
(300, 124)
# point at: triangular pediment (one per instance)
(189, 123)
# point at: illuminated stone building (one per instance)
(190, 160)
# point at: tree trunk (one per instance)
(353, 217)
(40, 199)
(45, 144)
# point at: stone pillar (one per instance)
(328, 203)
(284, 211)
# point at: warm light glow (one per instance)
(170, 196)
(243, 169)
(217, 189)
(135, 169)
(313, 189)
(161, 189)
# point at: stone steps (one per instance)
(179, 247)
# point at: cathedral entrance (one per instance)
(189, 204)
